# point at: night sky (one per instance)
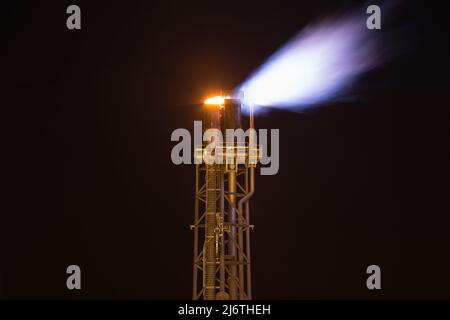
(88, 180)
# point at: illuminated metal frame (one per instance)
(232, 267)
(222, 259)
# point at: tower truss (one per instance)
(222, 251)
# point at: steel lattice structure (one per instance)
(222, 260)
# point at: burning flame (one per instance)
(219, 100)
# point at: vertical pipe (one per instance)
(245, 200)
(241, 248)
(247, 244)
(232, 233)
(195, 269)
(240, 208)
(222, 242)
(251, 116)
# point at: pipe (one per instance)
(252, 169)
(240, 210)
(232, 240)
(222, 272)
(196, 208)
(247, 244)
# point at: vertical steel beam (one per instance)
(248, 253)
(242, 295)
(222, 242)
(209, 253)
(196, 216)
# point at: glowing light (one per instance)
(317, 65)
(219, 100)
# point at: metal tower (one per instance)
(222, 268)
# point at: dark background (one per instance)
(87, 176)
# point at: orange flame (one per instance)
(218, 100)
